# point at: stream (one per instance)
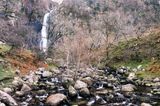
(91, 87)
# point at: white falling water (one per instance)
(58, 1)
(44, 31)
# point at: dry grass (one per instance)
(24, 60)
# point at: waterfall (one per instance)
(44, 31)
(58, 1)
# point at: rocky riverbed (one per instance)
(85, 87)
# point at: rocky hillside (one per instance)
(22, 19)
(100, 53)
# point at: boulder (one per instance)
(7, 90)
(55, 99)
(88, 80)
(145, 104)
(72, 91)
(84, 92)
(80, 84)
(6, 98)
(19, 93)
(25, 88)
(128, 88)
(46, 74)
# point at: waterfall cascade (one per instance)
(44, 31)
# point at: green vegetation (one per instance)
(148, 74)
(135, 51)
(133, 64)
(6, 75)
(4, 48)
(6, 72)
(142, 51)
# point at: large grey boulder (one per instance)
(85, 92)
(80, 84)
(6, 98)
(55, 99)
(72, 91)
(128, 88)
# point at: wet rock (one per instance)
(72, 91)
(91, 102)
(100, 100)
(131, 76)
(7, 90)
(128, 88)
(6, 98)
(80, 84)
(84, 92)
(98, 85)
(46, 74)
(25, 88)
(55, 99)
(24, 104)
(145, 104)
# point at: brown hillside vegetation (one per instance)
(24, 60)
